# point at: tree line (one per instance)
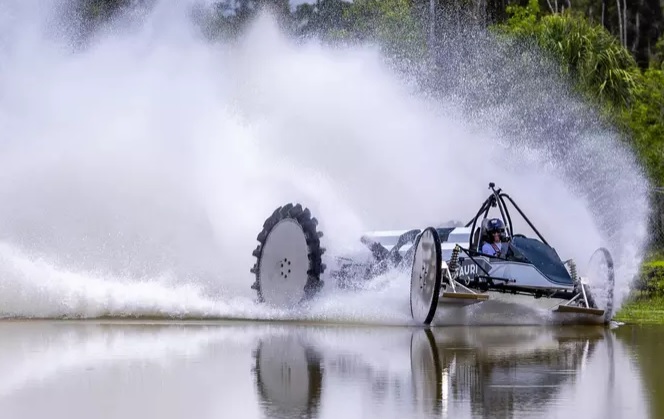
(636, 24)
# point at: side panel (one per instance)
(469, 269)
(525, 275)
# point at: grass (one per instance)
(645, 305)
(642, 309)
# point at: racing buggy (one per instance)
(446, 264)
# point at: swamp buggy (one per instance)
(446, 265)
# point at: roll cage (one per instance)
(521, 248)
(497, 198)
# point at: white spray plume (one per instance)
(153, 153)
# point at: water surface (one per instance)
(291, 370)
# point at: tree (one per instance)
(325, 18)
(608, 75)
(390, 22)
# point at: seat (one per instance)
(480, 235)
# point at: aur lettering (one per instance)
(469, 269)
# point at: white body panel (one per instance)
(388, 238)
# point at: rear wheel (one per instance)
(289, 264)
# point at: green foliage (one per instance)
(604, 72)
(645, 120)
(523, 20)
(658, 56)
(642, 310)
(651, 279)
(603, 69)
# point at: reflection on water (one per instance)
(243, 370)
(289, 378)
(496, 373)
(646, 345)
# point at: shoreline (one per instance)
(641, 310)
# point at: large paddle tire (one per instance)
(426, 276)
(600, 282)
(289, 264)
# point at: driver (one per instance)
(495, 231)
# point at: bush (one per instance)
(651, 279)
(603, 70)
(657, 60)
(645, 121)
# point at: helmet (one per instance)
(495, 225)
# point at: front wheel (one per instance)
(426, 276)
(600, 282)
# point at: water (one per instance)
(286, 370)
(137, 167)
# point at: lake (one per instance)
(106, 369)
